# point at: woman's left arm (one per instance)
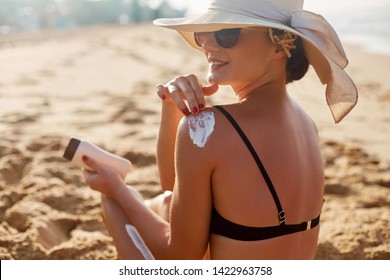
(187, 234)
(154, 229)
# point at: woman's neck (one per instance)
(261, 90)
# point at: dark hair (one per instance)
(298, 64)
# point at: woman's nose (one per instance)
(210, 43)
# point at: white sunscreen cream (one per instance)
(139, 242)
(201, 126)
(76, 149)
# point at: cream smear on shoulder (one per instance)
(201, 126)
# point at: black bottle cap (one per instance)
(72, 148)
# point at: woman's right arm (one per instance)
(169, 121)
(178, 96)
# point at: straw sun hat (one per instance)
(321, 43)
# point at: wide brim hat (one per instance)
(321, 44)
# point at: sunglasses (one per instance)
(225, 38)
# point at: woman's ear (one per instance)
(279, 52)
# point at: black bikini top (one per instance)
(221, 226)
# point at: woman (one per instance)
(247, 178)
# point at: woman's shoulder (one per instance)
(200, 139)
(203, 130)
(305, 120)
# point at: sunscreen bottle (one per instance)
(76, 149)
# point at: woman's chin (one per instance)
(215, 80)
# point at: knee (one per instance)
(166, 205)
(167, 197)
(161, 204)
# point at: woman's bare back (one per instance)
(289, 149)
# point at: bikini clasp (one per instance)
(308, 225)
(282, 217)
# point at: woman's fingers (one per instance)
(175, 93)
(187, 93)
(162, 92)
(103, 179)
(91, 163)
(191, 91)
(209, 90)
(170, 91)
(198, 102)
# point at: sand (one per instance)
(98, 84)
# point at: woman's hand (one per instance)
(187, 93)
(103, 179)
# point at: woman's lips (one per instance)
(216, 64)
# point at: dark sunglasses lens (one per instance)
(200, 38)
(227, 38)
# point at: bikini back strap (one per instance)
(281, 213)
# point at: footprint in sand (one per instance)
(20, 215)
(46, 143)
(374, 203)
(128, 113)
(7, 147)
(338, 190)
(53, 232)
(70, 200)
(140, 159)
(14, 167)
(20, 118)
(7, 200)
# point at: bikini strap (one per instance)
(281, 213)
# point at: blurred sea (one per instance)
(361, 22)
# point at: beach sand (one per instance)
(99, 83)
